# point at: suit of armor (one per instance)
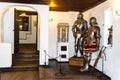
(92, 42)
(79, 28)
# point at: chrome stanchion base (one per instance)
(60, 73)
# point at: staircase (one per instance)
(26, 61)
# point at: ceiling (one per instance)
(62, 5)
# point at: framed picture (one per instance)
(110, 35)
(24, 26)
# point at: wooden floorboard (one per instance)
(49, 73)
(70, 73)
(20, 75)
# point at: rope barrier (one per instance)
(60, 56)
(50, 56)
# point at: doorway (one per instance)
(7, 26)
(25, 33)
(25, 40)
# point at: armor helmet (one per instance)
(80, 15)
(93, 21)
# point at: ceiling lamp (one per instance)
(52, 4)
(23, 14)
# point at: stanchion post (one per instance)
(60, 73)
(45, 65)
(0, 74)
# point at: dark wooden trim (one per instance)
(58, 61)
(66, 5)
(5, 69)
(44, 66)
(94, 5)
(37, 30)
(27, 12)
(16, 32)
(10, 69)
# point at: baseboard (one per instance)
(58, 61)
(44, 66)
(52, 59)
(101, 72)
(5, 69)
(10, 69)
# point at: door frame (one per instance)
(16, 28)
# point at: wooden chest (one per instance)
(77, 61)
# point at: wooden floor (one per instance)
(20, 75)
(49, 73)
(69, 73)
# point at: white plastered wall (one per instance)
(56, 17)
(29, 37)
(43, 11)
(111, 64)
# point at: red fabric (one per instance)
(90, 48)
(95, 35)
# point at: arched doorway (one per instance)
(43, 29)
(13, 34)
(28, 26)
(25, 31)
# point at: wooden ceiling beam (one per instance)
(63, 5)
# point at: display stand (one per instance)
(62, 42)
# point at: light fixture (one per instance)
(51, 19)
(20, 27)
(22, 14)
(52, 4)
(118, 12)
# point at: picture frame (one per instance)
(24, 24)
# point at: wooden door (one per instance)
(16, 31)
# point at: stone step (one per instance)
(25, 66)
(26, 57)
(26, 54)
(25, 60)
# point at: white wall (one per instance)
(5, 55)
(29, 37)
(43, 12)
(72, 16)
(9, 29)
(56, 17)
(111, 65)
